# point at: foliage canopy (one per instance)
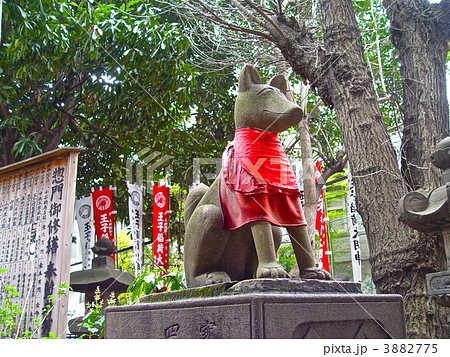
(112, 76)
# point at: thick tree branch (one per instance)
(94, 127)
(55, 135)
(333, 165)
(306, 56)
(10, 138)
(267, 18)
(307, 119)
(339, 179)
(441, 15)
(216, 19)
(280, 6)
(4, 111)
(247, 13)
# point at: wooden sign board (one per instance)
(36, 217)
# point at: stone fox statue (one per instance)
(233, 227)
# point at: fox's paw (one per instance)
(314, 273)
(216, 277)
(210, 278)
(271, 271)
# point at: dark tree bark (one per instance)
(422, 46)
(420, 32)
(399, 258)
(9, 139)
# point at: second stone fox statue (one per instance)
(233, 227)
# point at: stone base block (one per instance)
(261, 315)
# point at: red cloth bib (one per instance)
(255, 162)
(258, 183)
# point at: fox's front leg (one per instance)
(265, 251)
(305, 255)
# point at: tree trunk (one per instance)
(10, 136)
(65, 112)
(309, 184)
(422, 49)
(420, 32)
(399, 260)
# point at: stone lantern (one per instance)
(102, 275)
(430, 212)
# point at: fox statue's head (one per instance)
(264, 106)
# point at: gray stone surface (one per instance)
(261, 315)
(257, 286)
(261, 308)
(294, 286)
(438, 283)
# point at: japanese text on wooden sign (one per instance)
(36, 215)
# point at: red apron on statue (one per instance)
(258, 183)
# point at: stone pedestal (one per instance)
(262, 308)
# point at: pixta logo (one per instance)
(142, 167)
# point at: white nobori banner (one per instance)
(85, 220)
(353, 230)
(135, 208)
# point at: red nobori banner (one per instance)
(161, 227)
(102, 201)
(321, 225)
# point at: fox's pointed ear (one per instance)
(249, 76)
(279, 82)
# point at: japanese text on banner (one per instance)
(83, 212)
(102, 200)
(321, 225)
(135, 209)
(353, 230)
(161, 227)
